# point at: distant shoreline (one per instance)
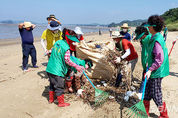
(13, 41)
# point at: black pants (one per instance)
(28, 49)
(142, 83)
(56, 84)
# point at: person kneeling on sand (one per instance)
(77, 77)
(129, 54)
(51, 35)
(28, 48)
(57, 69)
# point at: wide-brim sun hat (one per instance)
(125, 25)
(27, 24)
(72, 38)
(51, 16)
(78, 30)
(116, 34)
(54, 25)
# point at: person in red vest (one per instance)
(128, 53)
(77, 32)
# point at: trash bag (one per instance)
(102, 69)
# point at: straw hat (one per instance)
(78, 30)
(54, 26)
(27, 24)
(116, 34)
(125, 25)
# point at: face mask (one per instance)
(56, 31)
(124, 30)
(115, 41)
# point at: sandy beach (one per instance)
(25, 95)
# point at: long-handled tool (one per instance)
(173, 43)
(100, 96)
(138, 110)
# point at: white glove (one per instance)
(79, 92)
(74, 43)
(148, 74)
(118, 60)
(46, 52)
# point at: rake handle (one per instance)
(171, 49)
(144, 87)
(89, 79)
(85, 74)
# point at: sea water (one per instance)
(11, 31)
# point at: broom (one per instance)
(100, 96)
(138, 110)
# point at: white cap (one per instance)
(78, 30)
(116, 34)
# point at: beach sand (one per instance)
(25, 95)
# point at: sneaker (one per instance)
(26, 70)
(35, 66)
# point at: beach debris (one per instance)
(111, 97)
(105, 84)
(129, 94)
(98, 85)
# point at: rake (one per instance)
(138, 110)
(100, 96)
(173, 43)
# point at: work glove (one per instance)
(79, 92)
(47, 52)
(74, 43)
(80, 68)
(148, 74)
(118, 60)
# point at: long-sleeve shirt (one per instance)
(158, 56)
(68, 60)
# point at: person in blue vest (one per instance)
(28, 48)
(124, 31)
(158, 63)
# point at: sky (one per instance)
(83, 11)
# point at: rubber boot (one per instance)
(51, 96)
(69, 86)
(147, 106)
(77, 83)
(163, 111)
(61, 102)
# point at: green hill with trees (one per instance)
(130, 23)
(171, 19)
